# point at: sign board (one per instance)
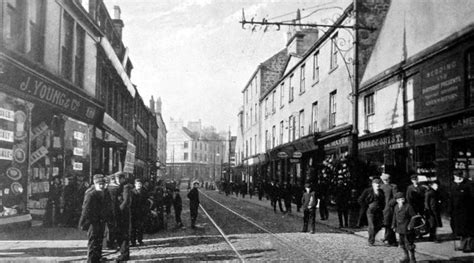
(38, 154)
(294, 160)
(297, 154)
(6, 154)
(441, 88)
(129, 158)
(282, 155)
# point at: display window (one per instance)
(14, 149)
(463, 157)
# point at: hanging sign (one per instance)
(129, 158)
(78, 151)
(297, 154)
(6, 154)
(38, 154)
(282, 155)
(78, 136)
(77, 166)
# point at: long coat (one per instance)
(433, 208)
(401, 218)
(193, 196)
(125, 203)
(389, 191)
(96, 209)
(461, 208)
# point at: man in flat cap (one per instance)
(193, 196)
(374, 198)
(389, 191)
(96, 212)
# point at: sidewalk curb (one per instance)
(430, 254)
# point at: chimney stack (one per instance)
(118, 23)
(152, 105)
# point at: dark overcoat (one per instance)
(433, 208)
(461, 208)
(401, 218)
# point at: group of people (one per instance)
(118, 211)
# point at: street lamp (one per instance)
(214, 173)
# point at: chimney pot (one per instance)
(117, 12)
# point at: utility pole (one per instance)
(230, 145)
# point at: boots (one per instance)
(412, 256)
(405, 256)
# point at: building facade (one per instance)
(416, 105)
(67, 102)
(155, 106)
(194, 153)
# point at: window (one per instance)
(314, 117)
(251, 115)
(291, 89)
(266, 107)
(301, 123)
(250, 146)
(302, 78)
(35, 37)
(12, 28)
(246, 148)
(369, 112)
(256, 112)
(281, 132)
(79, 59)
(273, 101)
(332, 109)
(333, 52)
(185, 145)
(195, 156)
(67, 47)
(200, 146)
(316, 67)
(410, 99)
(255, 141)
(246, 120)
(282, 94)
(185, 156)
(246, 96)
(273, 136)
(470, 74)
(266, 140)
(291, 128)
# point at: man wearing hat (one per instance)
(139, 212)
(389, 191)
(402, 216)
(193, 196)
(124, 215)
(415, 195)
(461, 212)
(95, 213)
(374, 199)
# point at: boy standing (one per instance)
(309, 206)
(402, 215)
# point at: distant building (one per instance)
(161, 137)
(194, 154)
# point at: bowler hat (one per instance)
(98, 178)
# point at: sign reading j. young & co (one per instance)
(441, 88)
(41, 89)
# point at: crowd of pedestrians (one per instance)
(411, 214)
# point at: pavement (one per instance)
(443, 250)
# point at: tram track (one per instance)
(257, 228)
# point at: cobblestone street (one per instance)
(205, 243)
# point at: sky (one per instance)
(195, 55)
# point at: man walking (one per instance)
(389, 191)
(193, 196)
(374, 198)
(124, 216)
(309, 205)
(96, 211)
(139, 212)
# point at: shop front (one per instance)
(45, 144)
(386, 151)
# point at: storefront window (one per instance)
(463, 157)
(424, 160)
(14, 161)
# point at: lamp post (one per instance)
(214, 173)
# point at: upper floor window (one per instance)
(302, 78)
(332, 109)
(251, 115)
(333, 52)
(291, 128)
(67, 46)
(266, 140)
(273, 136)
(314, 117)
(301, 123)
(369, 111)
(266, 107)
(185, 157)
(282, 129)
(251, 146)
(12, 27)
(79, 58)
(273, 101)
(282, 94)
(291, 89)
(256, 112)
(255, 141)
(316, 67)
(35, 30)
(185, 145)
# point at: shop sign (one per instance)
(38, 154)
(77, 166)
(441, 88)
(48, 92)
(6, 114)
(443, 127)
(78, 151)
(6, 154)
(297, 155)
(6, 136)
(282, 155)
(337, 143)
(129, 158)
(78, 136)
(393, 141)
(42, 127)
(294, 160)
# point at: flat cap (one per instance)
(398, 195)
(98, 178)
